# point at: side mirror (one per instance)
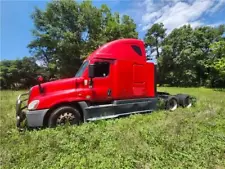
(40, 79)
(91, 71)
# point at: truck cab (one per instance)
(115, 80)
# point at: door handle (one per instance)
(109, 92)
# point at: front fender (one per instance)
(49, 100)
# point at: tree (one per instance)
(205, 36)
(155, 36)
(217, 64)
(67, 31)
(177, 61)
(188, 57)
(18, 73)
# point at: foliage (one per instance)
(67, 31)
(185, 138)
(154, 37)
(218, 53)
(18, 73)
(192, 57)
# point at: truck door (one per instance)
(139, 82)
(102, 82)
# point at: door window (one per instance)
(101, 69)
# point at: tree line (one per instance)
(189, 57)
(66, 32)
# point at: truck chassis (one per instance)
(171, 102)
(117, 108)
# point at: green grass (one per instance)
(185, 138)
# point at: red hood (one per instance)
(57, 85)
(53, 86)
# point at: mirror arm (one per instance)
(40, 88)
(39, 80)
(91, 83)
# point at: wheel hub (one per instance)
(64, 118)
(188, 102)
(173, 104)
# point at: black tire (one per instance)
(171, 103)
(64, 114)
(184, 100)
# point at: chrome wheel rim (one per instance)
(64, 118)
(173, 104)
(188, 102)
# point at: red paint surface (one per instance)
(130, 77)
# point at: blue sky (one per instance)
(16, 24)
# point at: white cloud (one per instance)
(196, 24)
(149, 4)
(219, 3)
(148, 17)
(176, 13)
(216, 24)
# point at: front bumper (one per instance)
(20, 109)
(35, 118)
(28, 118)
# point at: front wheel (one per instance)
(64, 115)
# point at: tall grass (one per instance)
(185, 138)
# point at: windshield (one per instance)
(82, 68)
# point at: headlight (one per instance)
(33, 105)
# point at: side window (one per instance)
(101, 69)
(137, 49)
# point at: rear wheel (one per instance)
(171, 103)
(64, 115)
(185, 100)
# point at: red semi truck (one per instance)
(115, 80)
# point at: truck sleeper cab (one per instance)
(114, 80)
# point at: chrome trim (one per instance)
(117, 115)
(23, 94)
(20, 114)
